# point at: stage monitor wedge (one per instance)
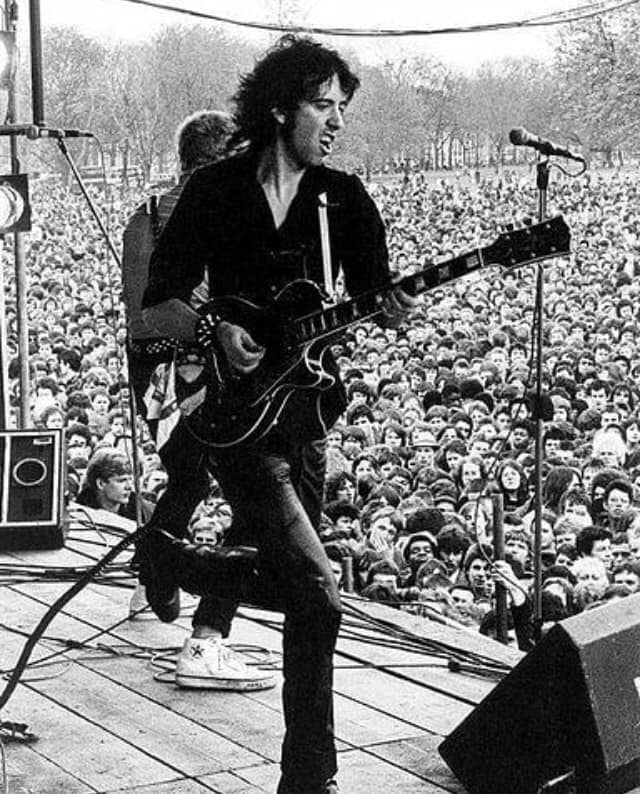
(573, 702)
(32, 482)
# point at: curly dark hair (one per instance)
(291, 71)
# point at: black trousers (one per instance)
(275, 490)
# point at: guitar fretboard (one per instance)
(336, 318)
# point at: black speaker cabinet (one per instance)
(32, 477)
(573, 702)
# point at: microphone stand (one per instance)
(542, 182)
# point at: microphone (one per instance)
(34, 132)
(521, 137)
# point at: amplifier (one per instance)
(32, 481)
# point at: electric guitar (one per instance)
(297, 330)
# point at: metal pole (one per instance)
(5, 410)
(11, 9)
(542, 183)
(37, 86)
(502, 607)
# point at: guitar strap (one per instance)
(325, 245)
(152, 208)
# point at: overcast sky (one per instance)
(116, 19)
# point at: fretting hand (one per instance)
(398, 303)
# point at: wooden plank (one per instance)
(229, 783)
(189, 748)
(420, 756)
(359, 772)
(30, 773)
(88, 753)
(178, 786)
(420, 707)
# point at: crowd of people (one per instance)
(440, 410)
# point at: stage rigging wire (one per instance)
(576, 14)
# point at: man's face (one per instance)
(309, 136)
(461, 597)
(420, 552)
(602, 551)
(516, 550)
(628, 578)
(451, 559)
(382, 527)
(620, 552)
(503, 423)
(387, 579)
(477, 573)
(520, 438)
(480, 447)
(498, 357)
(436, 423)
(101, 404)
(77, 445)
(597, 399)
(579, 514)
(617, 503)
(424, 456)
(346, 525)
(565, 538)
(610, 418)
(392, 439)
(116, 489)
(364, 469)
(551, 447)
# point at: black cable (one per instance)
(58, 605)
(547, 20)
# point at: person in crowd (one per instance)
(108, 484)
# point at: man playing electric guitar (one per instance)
(251, 225)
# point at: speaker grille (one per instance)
(29, 472)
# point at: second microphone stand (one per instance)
(542, 182)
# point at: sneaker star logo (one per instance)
(197, 651)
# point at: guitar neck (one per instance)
(327, 322)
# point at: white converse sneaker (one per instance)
(210, 664)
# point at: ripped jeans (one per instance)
(275, 491)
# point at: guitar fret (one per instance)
(527, 245)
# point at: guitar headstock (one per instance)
(549, 238)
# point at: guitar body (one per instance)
(241, 409)
(296, 329)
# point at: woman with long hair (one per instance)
(512, 482)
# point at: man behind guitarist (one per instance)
(251, 224)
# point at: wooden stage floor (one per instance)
(105, 723)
